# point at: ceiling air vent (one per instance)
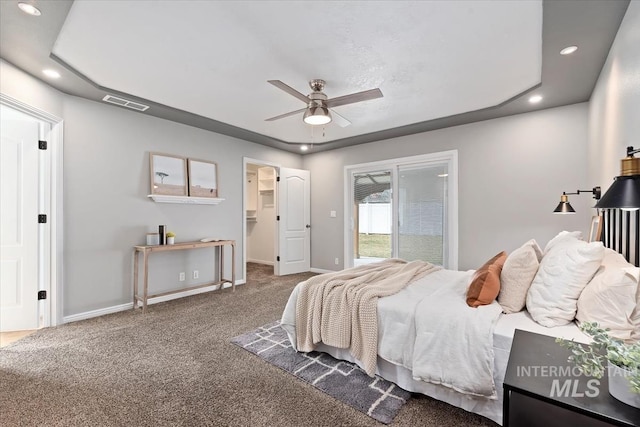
(125, 103)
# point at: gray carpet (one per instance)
(376, 397)
(175, 366)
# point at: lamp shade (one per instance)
(317, 115)
(624, 193)
(564, 207)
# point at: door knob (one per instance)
(308, 226)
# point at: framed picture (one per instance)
(168, 174)
(203, 178)
(595, 233)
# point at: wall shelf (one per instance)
(185, 200)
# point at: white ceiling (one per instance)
(431, 59)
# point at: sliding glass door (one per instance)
(372, 216)
(422, 219)
(404, 208)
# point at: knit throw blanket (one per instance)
(340, 309)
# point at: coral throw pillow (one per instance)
(485, 285)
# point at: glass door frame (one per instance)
(449, 157)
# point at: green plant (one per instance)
(171, 234)
(589, 359)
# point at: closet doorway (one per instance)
(260, 213)
(277, 217)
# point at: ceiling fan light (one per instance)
(318, 115)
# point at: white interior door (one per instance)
(294, 226)
(18, 221)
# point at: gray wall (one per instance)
(614, 108)
(511, 174)
(106, 181)
(29, 90)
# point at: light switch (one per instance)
(332, 214)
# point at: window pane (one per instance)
(422, 213)
(372, 213)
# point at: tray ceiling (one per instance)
(206, 63)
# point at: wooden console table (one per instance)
(147, 250)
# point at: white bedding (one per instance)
(454, 342)
(396, 350)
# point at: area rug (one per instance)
(344, 381)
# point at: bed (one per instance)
(404, 320)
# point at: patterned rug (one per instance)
(344, 381)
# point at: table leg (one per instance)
(135, 277)
(233, 267)
(221, 269)
(146, 281)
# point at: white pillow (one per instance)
(635, 317)
(565, 270)
(610, 297)
(517, 274)
(563, 235)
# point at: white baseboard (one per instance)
(129, 306)
(258, 261)
(97, 313)
(322, 271)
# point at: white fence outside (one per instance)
(421, 219)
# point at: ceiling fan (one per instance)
(318, 106)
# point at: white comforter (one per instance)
(429, 329)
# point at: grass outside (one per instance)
(375, 245)
(427, 248)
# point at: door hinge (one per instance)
(42, 295)
(42, 219)
(278, 258)
(278, 218)
(277, 179)
(42, 145)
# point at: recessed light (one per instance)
(568, 50)
(443, 175)
(29, 8)
(535, 99)
(304, 148)
(51, 73)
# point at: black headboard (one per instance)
(621, 232)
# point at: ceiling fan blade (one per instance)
(354, 97)
(291, 91)
(339, 120)
(282, 116)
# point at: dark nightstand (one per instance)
(542, 389)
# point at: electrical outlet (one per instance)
(196, 274)
(337, 261)
(182, 276)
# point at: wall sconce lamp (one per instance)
(564, 207)
(624, 193)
